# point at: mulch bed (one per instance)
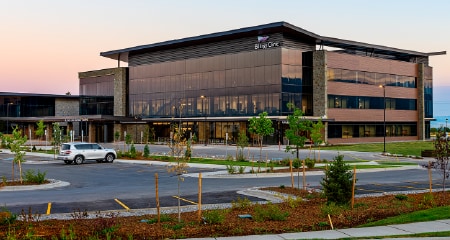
(302, 215)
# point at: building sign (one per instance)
(264, 43)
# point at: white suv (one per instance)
(78, 152)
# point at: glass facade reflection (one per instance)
(241, 84)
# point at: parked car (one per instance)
(78, 152)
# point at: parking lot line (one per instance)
(189, 201)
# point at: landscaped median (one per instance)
(300, 211)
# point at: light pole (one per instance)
(384, 118)
(204, 113)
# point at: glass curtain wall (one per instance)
(241, 84)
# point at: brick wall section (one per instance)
(420, 102)
(370, 64)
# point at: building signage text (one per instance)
(264, 43)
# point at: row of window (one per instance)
(356, 102)
(148, 105)
(371, 130)
(372, 78)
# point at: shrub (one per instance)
(241, 203)
(333, 209)
(38, 178)
(269, 212)
(119, 154)
(427, 201)
(231, 169)
(310, 163)
(214, 216)
(146, 151)
(6, 217)
(296, 163)
(162, 218)
(401, 197)
(337, 184)
(133, 153)
(241, 169)
(293, 202)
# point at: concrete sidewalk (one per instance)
(366, 233)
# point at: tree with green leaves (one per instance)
(116, 136)
(57, 137)
(128, 141)
(442, 151)
(40, 130)
(241, 144)
(180, 166)
(338, 182)
(15, 143)
(146, 151)
(316, 134)
(298, 130)
(261, 126)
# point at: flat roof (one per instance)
(284, 27)
(17, 94)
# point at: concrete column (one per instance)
(421, 101)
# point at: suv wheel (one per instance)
(78, 159)
(109, 157)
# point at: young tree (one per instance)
(15, 142)
(57, 137)
(241, 144)
(316, 134)
(298, 130)
(116, 136)
(128, 141)
(40, 131)
(442, 151)
(180, 166)
(146, 134)
(146, 151)
(261, 127)
(337, 183)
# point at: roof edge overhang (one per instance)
(122, 54)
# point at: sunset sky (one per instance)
(45, 43)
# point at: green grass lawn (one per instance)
(413, 148)
(432, 214)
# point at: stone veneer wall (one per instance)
(67, 107)
(320, 88)
(120, 91)
(421, 101)
(319, 83)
